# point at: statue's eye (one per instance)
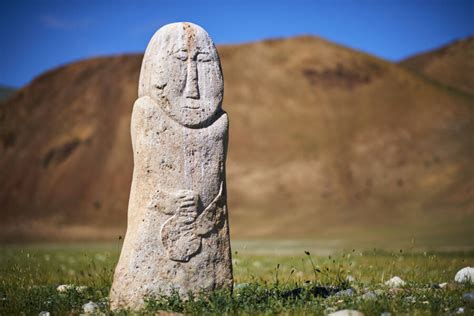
(181, 55)
(203, 57)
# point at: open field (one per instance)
(267, 282)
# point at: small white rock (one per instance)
(465, 275)
(348, 292)
(460, 310)
(350, 278)
(346, 312)
(369, 296)
(64, 288)
(468, 297)
(44, 313)
(443, 285)
(240, 286)
(90, 308)
(395, 282)
(81, 288)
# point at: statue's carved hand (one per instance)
(174, 203)
(187, 202)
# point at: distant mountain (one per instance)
(451, 65)
(325, 142)
(5, 92)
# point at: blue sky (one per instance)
(39, 35)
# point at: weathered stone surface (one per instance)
(468, 297)
(346, 312)
(347, 292)
(465, 275)
(177, 236)
(90, 308)
(395, 282)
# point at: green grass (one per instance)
(265, 284)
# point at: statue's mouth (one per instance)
(192, 107)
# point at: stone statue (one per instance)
(178, 233)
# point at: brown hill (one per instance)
(324, 142)
(451, 65)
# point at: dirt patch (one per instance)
(60, 153)
(342, 76)
(8, 139)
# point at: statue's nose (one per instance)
(192, 89)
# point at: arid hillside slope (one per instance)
(325, 141)
(5, 92)
(451, 65)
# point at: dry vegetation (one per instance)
(451, 65)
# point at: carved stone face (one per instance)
(181, 71)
